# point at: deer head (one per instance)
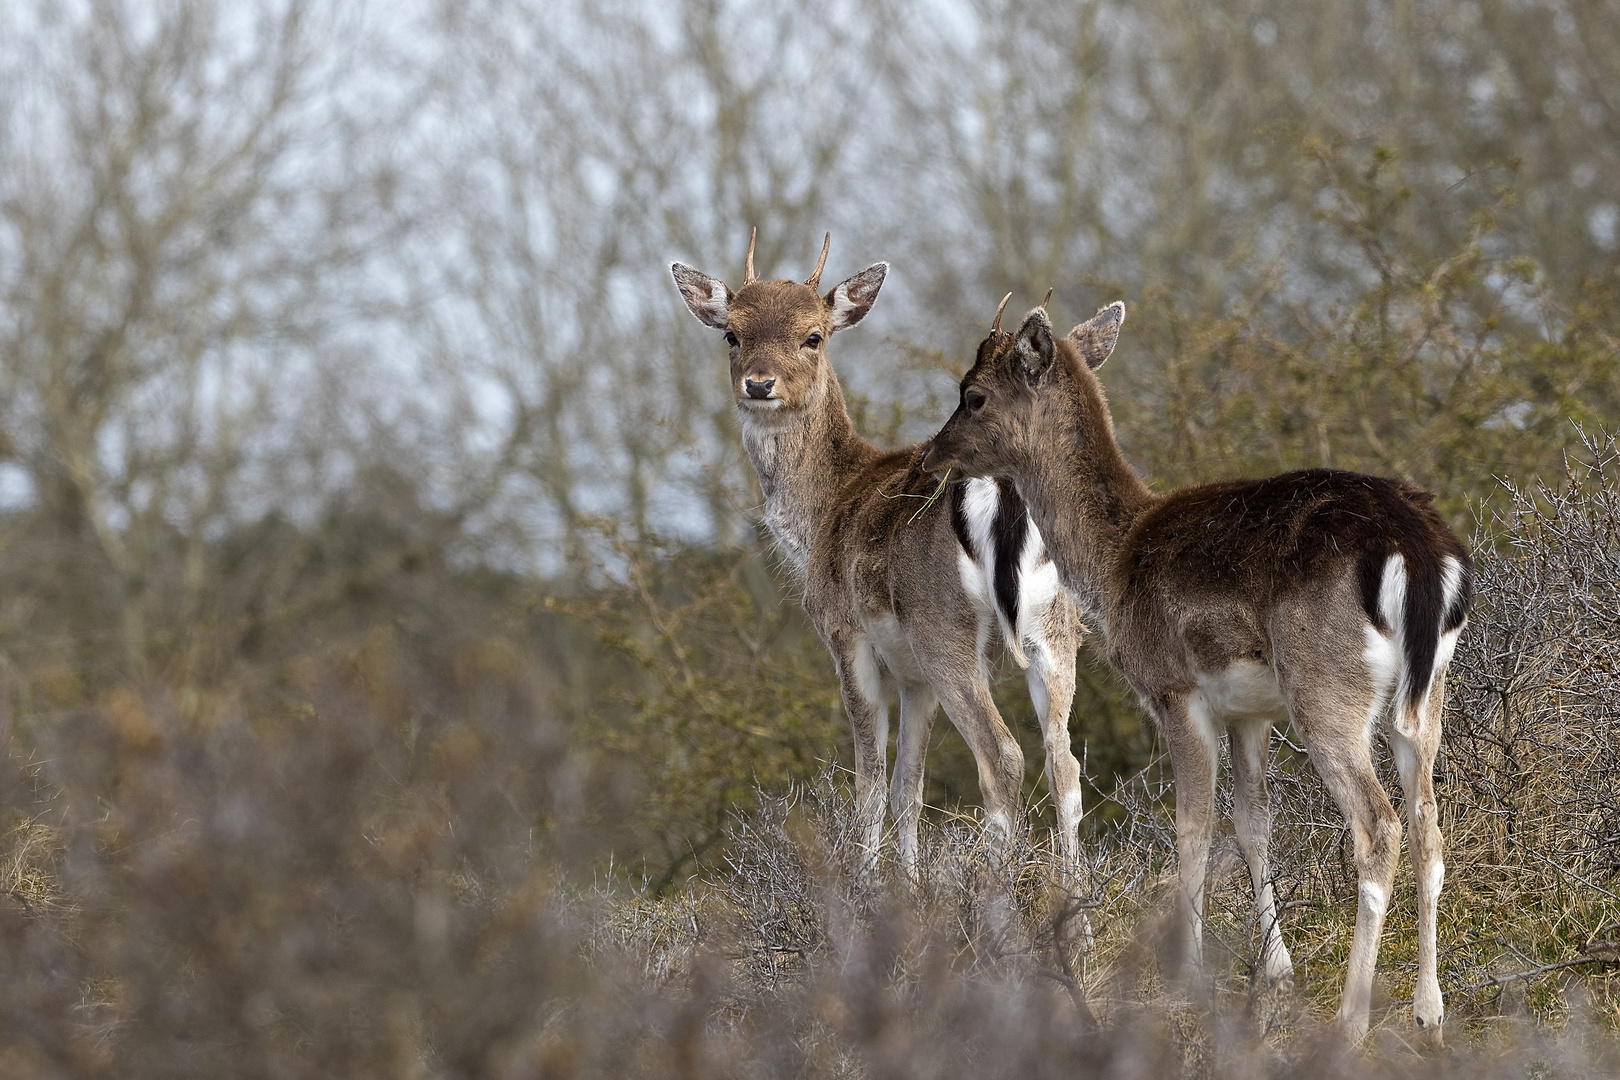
(777, 330)
(1011, 378)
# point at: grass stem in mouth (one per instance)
(932, 499)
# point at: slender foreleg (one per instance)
(861, 683)
(1051, 687)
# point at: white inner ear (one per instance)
(716, 305)
(842, 307)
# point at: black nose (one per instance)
(759, 390)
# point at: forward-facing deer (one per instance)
(1327, 598)
(904, 593)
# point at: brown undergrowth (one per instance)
(377, 859)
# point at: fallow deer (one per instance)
(904, 592)
(1326, 598)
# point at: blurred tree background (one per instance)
(341, 338)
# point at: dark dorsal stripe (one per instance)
(959, 520)
(1011, 527)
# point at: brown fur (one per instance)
(1233, 605)
(880, 566)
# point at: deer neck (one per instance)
(1084, 497)
(802, 458)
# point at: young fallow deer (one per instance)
(903, 592)
(1328, 598)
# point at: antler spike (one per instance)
(814, 280)
(1048, 298)
(748, 266)
(995, 327)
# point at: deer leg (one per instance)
(917, 707)
(861, 682)
(1340, 748)
(1189, 728)
(1414, 761)
(1051, 687)
(997, 754)
(1251, 815)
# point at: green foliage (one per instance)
(1449, 369)
(721, 687)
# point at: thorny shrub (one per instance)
(371, 867)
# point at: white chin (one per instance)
(760, 405)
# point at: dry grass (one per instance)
(360, 863)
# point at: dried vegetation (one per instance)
(394, 680)
(379, 862)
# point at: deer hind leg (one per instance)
(1414, 761)
(966, 698)
(1189, 728)
(1251, 816)
(1339, 741)
(917, 707)
(861, 681)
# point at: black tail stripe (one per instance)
(1370, 571)
(1425, 591)
(1427, 615)
(1011, 528)
(1425, 597)
(959, 520)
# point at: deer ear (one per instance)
(1032, 347)
(851, 299)
(1095, 337)
(707, 297)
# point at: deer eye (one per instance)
(812, 341)
(975, 399)
(731, 339)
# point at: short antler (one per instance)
(1047, 300)
(748, 266)
(814, 280)
(995, 327)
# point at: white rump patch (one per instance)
(1392, 606)
(1382, 655)
(979, 507)
(980, 503)
(974, 584)
(1451, 573)
(1038, 581)
(1392, 596)
(1038, 586)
